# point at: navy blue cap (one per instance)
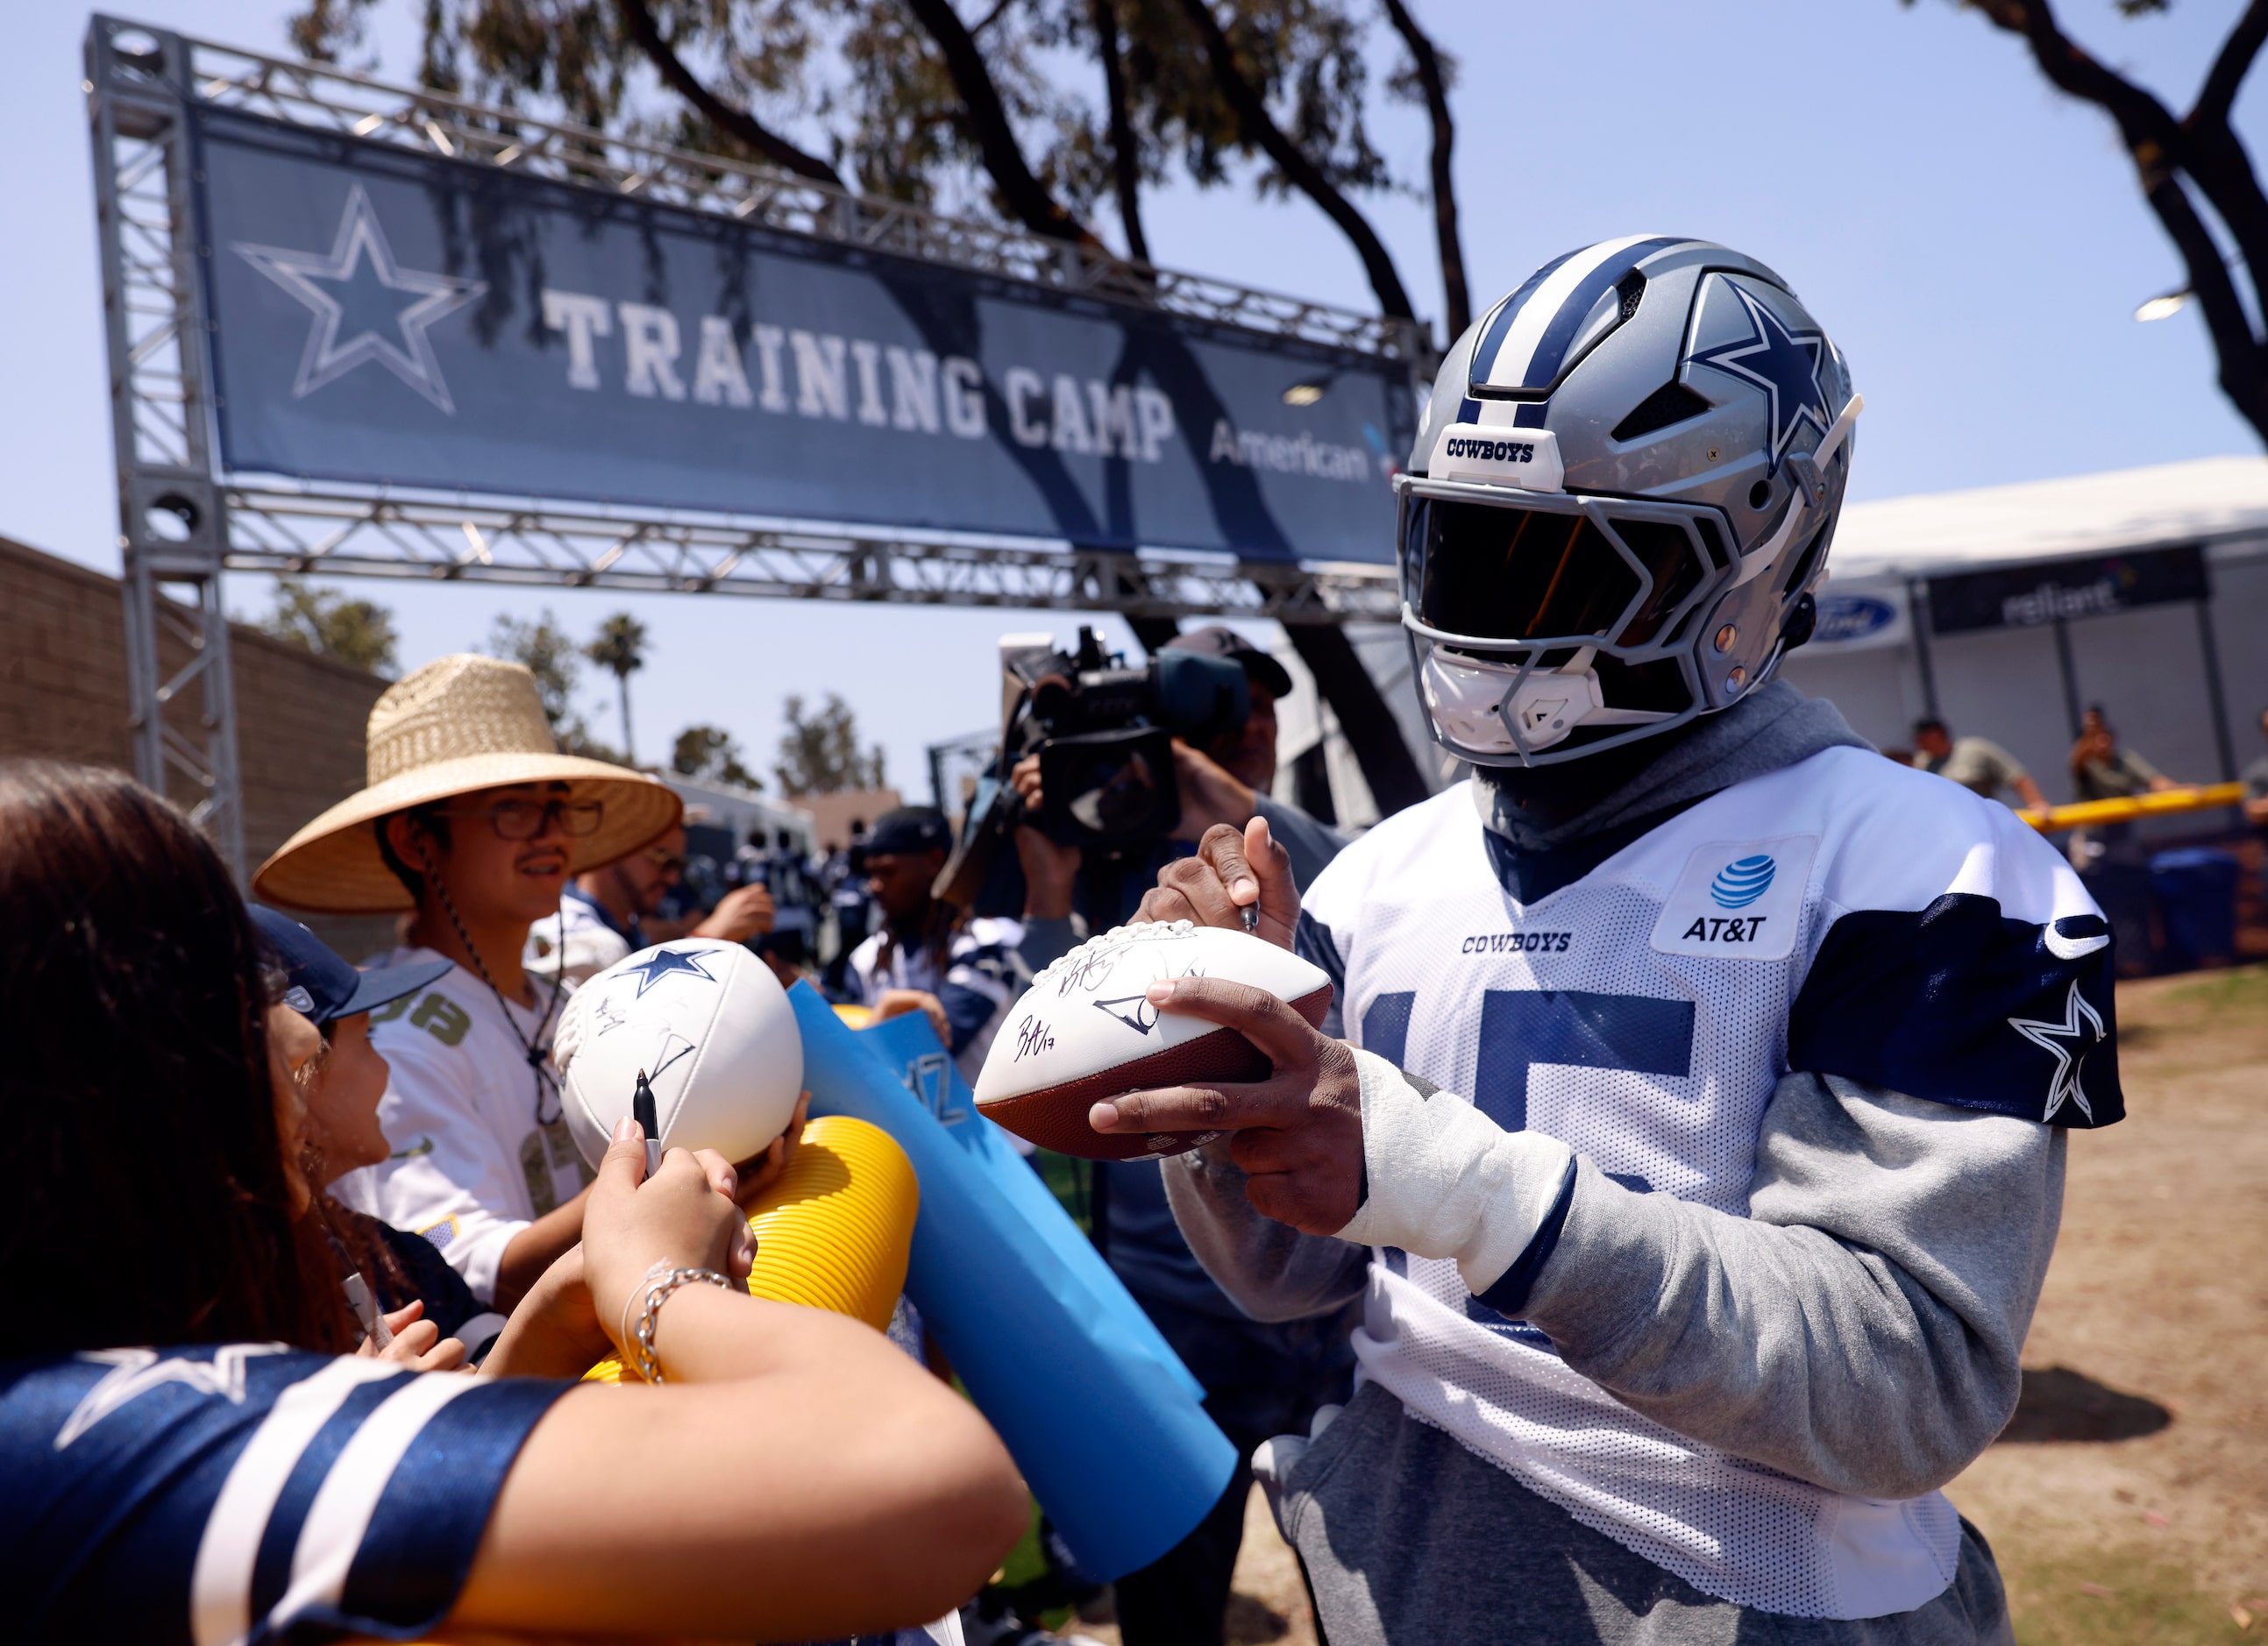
(908, 830)
(322, 986)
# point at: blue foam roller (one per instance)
(1099, 1413)
(911, 1046)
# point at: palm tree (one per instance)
(621, 649)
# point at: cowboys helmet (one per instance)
(1620, 502)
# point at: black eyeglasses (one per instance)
(525, 820)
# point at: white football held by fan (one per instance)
(711, 1028)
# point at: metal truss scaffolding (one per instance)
(183, 522)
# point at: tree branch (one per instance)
(1261, 130)
(2240, 356)
(1125, 159)
(2229, 68)
(1027, 199)
(2070, 68)
(1445, 187)
(736, 123)
(2205, 149)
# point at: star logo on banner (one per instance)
(2070, 1042)
(367, 307)
(1784, 364)
(660, 963)
(135, 1371)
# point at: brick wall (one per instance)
(299, 718)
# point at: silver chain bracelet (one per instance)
(661, 1281)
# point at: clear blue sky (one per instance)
(1975, 243)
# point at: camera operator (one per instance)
(1225, 780)
(1259, 1378)
(959, 971)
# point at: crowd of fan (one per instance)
(263, 1190)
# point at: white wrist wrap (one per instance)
(1447, 1182)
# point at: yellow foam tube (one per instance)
(836, 1231)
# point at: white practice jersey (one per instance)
(576, 943)
(975, 984)
(471, 1164)
(1844, 915)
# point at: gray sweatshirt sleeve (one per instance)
(1268, 1270)
(1861, 1328)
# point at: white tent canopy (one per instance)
(2184, 681)
(2205, 500)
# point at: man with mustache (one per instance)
(472, 823)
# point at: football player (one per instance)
(1692, 1119)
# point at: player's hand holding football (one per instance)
(1297, 1135)
(1233, 872)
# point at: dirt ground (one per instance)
(2128, 1501)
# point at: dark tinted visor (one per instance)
(1513, 574)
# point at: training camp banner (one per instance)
(386, 318)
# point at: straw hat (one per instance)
(458, 724)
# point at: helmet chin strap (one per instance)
(1811, 491)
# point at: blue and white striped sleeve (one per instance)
(246, 1493)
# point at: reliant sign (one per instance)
(386, 318)
(2048, 592)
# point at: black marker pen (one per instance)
(641, 1111)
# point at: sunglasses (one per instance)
(527, 820)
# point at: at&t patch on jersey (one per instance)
(1738, 899)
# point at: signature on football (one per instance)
(1091, 973)
(1033, 1037)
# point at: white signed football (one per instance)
(1086, 1032)
(710, 1027)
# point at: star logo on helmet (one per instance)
(1785, 365)
(660, 963)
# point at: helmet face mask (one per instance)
(1619, 503)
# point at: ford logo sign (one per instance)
(1844, 617)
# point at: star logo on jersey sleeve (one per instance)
(133, 1372)
(2069, 1042)
(1785, 365)
(660, 964)
(366, 306)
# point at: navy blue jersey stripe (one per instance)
(1386, 1025)
(1551, 348)
(428, 1520)
(271, 1571)
(1959, 1004)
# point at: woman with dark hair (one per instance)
(191, 1455)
